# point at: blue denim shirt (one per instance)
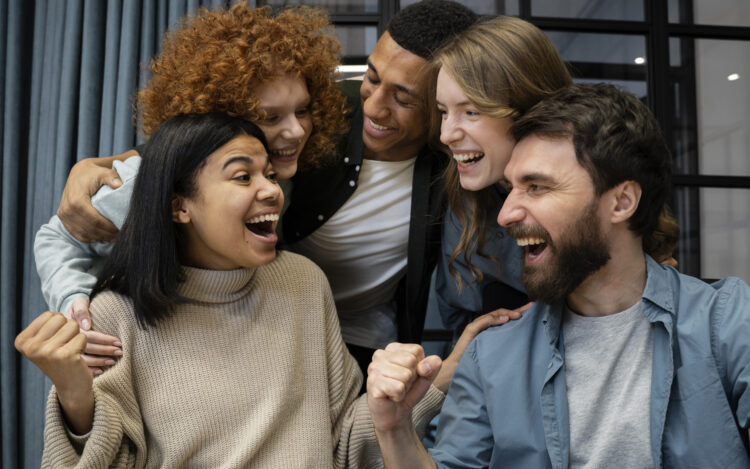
(507, 405)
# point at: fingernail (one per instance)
(118, 181)
(117, 352)
(428, 368)
(117, 343)
(85, 324)
(109, 362)
(97, 372)
(503, 318)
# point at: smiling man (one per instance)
(621, 362)
(371, 221)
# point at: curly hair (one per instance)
(213, 60)
(422, 27)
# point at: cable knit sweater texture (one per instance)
(251, 372)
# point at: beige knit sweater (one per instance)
(251, 373)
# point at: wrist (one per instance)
(78, 409)
(401, 432)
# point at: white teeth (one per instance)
(464, 157)
(376, 126)
(527, 241)
(262, 218)
(284, 152)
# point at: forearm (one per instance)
(63, 265)
(78, 408)
(402, 448)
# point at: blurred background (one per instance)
(70, 68)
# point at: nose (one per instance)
(270, 191)
(511, 212)
(293, 129)
(449, 130)
(375, 105)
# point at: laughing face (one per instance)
(481, 145)
(394, 126)
(231, 220)
(555, 217)
(288, 122)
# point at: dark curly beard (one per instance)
(581, 251)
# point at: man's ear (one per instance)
(179, 211)
(626, 197)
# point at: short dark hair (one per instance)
(423, 27)
(616, 138)
(144, 263)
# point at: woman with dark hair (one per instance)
(278, 71)
(232, 352)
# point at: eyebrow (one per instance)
(243, 159)
(301, 102)
(540, 177)
(462, 103)
(401, 88)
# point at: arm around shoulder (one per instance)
(63, 262)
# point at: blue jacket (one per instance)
(507, 404)
(458, 308)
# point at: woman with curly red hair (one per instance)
(276, 71)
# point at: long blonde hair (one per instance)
(504, 65)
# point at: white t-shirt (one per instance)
(362, 249)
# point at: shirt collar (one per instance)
(659, 290)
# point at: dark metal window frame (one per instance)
(658, 31)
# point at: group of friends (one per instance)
(226, 286)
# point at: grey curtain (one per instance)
(70, 68)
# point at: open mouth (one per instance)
(283, 153)
(378, 127)
(534, 247)
(468, 158)
(263, 225)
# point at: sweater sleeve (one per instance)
(352, 430)
(117, 438)
(64, 264)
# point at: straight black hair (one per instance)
(144, 263)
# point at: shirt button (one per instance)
(356, 168)
(346, 159)
(320, 217)
(352, 183)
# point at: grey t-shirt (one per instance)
(608, 363)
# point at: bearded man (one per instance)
(621, 362)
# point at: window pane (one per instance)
(608, 58)
(721, 13)
(356, 41)
(483, 7)
(629, 10)
(713, 108)
(333, 6)
(720, 234)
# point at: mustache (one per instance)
(529, 231)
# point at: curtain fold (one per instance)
(70, 70)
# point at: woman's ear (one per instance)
(179, 211)
(627, 196)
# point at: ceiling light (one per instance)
(733, 76)
(640, 60)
